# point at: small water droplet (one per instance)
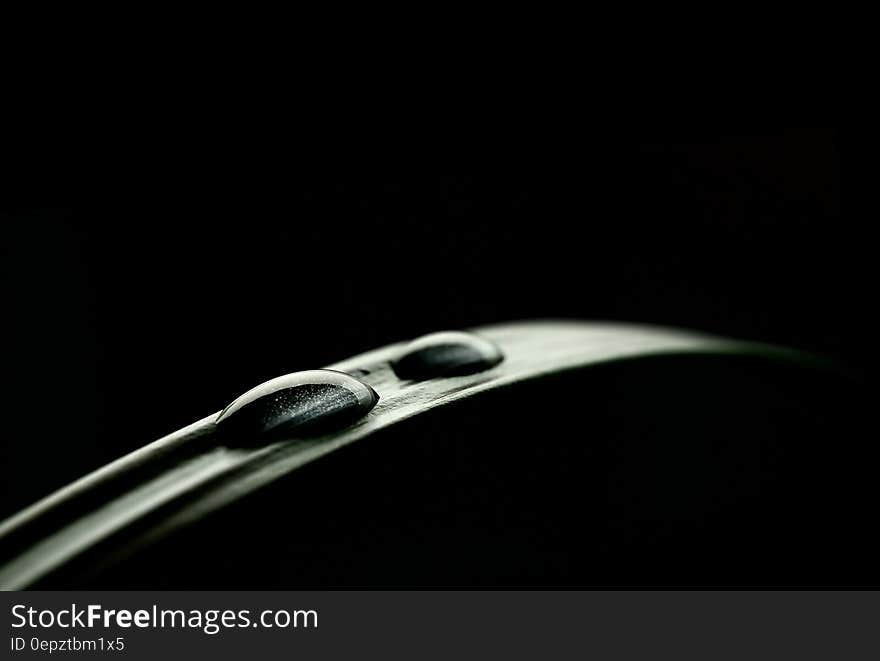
(448, 353)
(308, 402)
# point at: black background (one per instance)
(158, 293)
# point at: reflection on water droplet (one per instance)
(449, 353)
(309, 402)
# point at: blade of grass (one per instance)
(181, 477)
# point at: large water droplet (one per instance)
(448, 353)
(314, 401)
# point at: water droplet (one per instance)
(309, 402)
(449, 353)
